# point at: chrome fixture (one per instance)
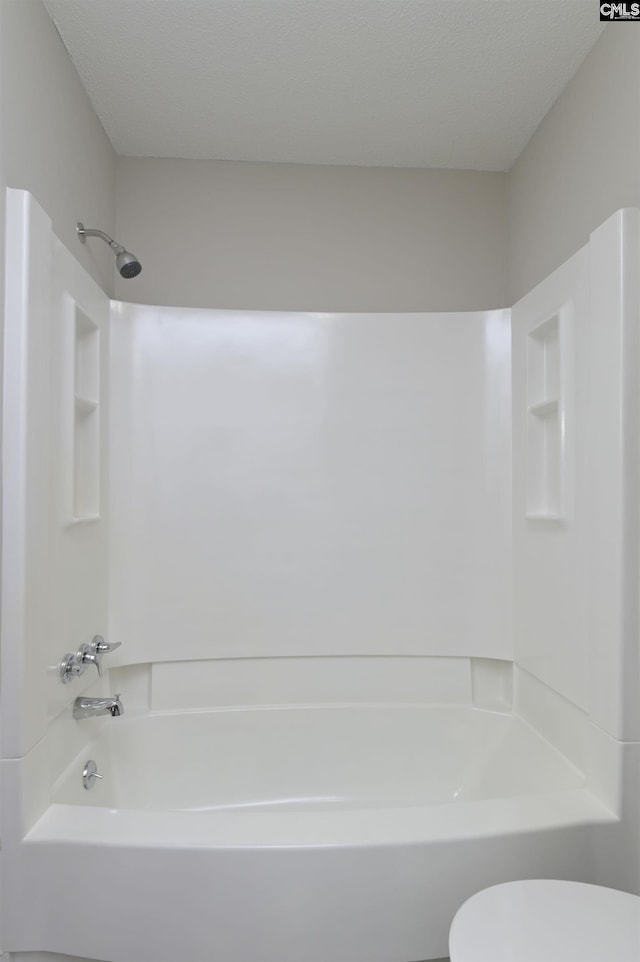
(126, 262)
(92, 707)
(90, 774)
(74, 664)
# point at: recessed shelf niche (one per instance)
(86, 420)
(544, 422)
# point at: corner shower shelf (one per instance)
(85, 405)
(544, 424)
(84, 447)
(545, 409)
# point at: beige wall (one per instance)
(302, 237)
(52, 143)
(323, 238)
(581, 165)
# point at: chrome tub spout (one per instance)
(92, 707)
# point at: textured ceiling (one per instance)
(417, 83)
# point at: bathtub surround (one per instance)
(572, 492)
(172, 686)
(55, 468)
(387, 436)
(330, 483)
(575, 525)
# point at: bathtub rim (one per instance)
(350, 828)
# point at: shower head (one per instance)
(128, 264)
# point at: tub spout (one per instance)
(91, 707)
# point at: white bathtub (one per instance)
(311, 834)
(313, 758)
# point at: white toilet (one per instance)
(543, 920)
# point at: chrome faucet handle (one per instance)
(76, 664)
(90, 655)
(93, 652)
(104, 647)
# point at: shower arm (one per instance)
(84, 232)
(127, 263)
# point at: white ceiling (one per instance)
(408, 83)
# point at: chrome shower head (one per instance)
(127, 263)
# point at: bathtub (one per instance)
(342, 833)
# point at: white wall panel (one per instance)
(304, 484)
(79, 421)
(614, 476)
(551, 538)
(54, 564)
(26, 460)
(576, 564)
(176, 686)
